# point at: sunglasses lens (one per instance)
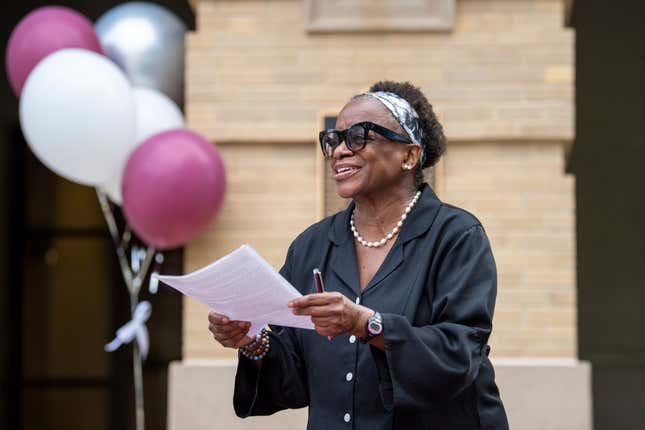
(355, 138)
(330, 140)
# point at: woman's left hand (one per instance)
(332, 313)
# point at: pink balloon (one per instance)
(173, 185)
(41, 32)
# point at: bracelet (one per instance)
(258, 348)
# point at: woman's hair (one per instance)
(433, 139)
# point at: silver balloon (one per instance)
(147, 41)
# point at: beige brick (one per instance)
(499, 53)
(559, 74)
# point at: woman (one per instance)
(410, 283)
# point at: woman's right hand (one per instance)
(230, 334)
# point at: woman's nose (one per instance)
(341, 150)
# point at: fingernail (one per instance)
(241, 324)
(225, 320)
(290, 304)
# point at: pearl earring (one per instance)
(407, 167)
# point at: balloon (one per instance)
(155, 113)
(41, 32)
(77, 113)
(173, 185)
(147, 41)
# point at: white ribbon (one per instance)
(135, 328)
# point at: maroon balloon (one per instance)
(41, 32)
(173, 185)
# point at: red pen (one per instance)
(320, 287)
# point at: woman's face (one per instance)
(378, 166)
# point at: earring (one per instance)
(407, 167)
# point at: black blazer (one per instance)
(436, 292)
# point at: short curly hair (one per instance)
(433, 138)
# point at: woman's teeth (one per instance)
(345, 169)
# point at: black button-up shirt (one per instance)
(435, 291)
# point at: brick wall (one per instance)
(502, 81)
(521, 195)
(254, 73)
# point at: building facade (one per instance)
(263, 75)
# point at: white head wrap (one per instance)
(404, 114)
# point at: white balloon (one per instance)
(77, 113)
(156, 112)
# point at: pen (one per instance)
(320, 287)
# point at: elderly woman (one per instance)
(410, 283)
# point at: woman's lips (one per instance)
(345, 172)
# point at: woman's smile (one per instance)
(344, 171)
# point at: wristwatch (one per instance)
(373, 327)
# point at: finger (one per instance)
(245, 340)
(232, 339)
(323, 321)
(221, 341)
(316, 299)
(230, 334)
(230, 342)
(216, 318)
(241, 340)
(235, 338)
(234, 331)
(221, 329)
(317, 311)
(240, 324)
(218, 328)
(229, 330)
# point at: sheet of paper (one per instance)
(243, 286)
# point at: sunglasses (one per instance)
(355, 137)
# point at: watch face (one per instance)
(375, 327)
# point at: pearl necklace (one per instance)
(390, 235)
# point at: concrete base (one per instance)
(537, 394)
(545, 394)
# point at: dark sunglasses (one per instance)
(355, 137)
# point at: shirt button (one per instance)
(349, 376)
(347, 417)
(352, 339)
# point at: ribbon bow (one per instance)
(136, 327)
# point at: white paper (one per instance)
(243, 286)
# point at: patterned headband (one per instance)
(405, 115)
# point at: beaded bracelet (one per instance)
(258, 348)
